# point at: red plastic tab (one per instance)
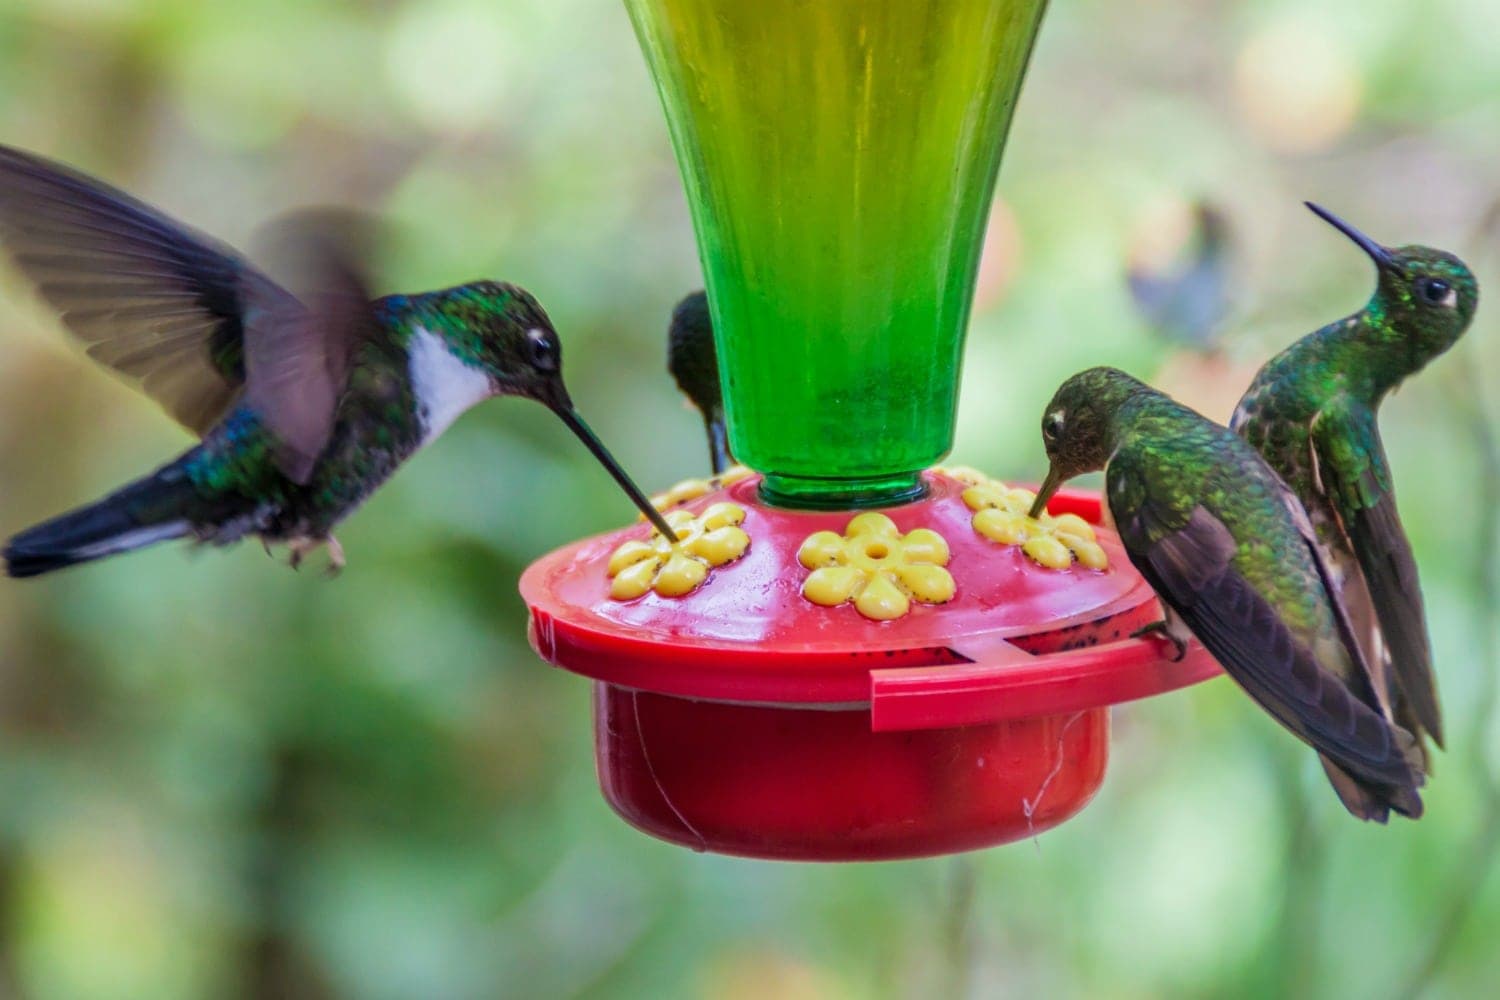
(1013, 684)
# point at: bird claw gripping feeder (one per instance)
(848, 654)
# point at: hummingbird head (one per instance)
(1428, 296)
(691, 356)
(1078, 426)
(693, 361)
(502, 331)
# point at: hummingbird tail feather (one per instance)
(1371, 802)
(148, 511)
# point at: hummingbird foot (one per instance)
(300, 548)
(1163, 630)
(336, 561)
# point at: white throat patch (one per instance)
(444, 385)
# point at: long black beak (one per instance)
(1049, 487)
(591, 441)
(718, 444)
(1379, 254)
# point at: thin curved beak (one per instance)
(1379, 254)
(1049, 487)
(596, 447)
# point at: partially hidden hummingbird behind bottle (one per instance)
(693, 361)
(1230, 552)
(1310, 412)
(305, 405)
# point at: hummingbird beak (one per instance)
(718, 444)
(1049, 487)
(596, 447)
(1379, 254)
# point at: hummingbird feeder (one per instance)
(847, 654)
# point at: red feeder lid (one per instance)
(1016, 640)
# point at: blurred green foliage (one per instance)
(221, 778)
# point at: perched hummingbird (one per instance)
(1231, 554)
(694, 363)
(1311, 413)
(304, 405)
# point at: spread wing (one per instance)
(184, 317)
(154, 302)
(1187, 557)
(1352, 471)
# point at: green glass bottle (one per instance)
(839, 158)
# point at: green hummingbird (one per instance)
(1310, 412)
(305, 405)
(694, 363)
(1231, 554)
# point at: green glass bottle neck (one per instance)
(807, 493)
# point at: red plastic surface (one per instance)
(744, 719)
(819, 786)
(748, 635)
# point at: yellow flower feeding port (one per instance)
(677, 568)
(877, 567)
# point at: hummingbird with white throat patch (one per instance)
(305, 404)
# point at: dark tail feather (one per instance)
(147, 511)
(1372, 802)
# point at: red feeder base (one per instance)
(744, 719)
(819, 785)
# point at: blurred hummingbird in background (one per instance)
(1235, 561)
(693, 361)
(1188, 303)
(305, 403)
(1311, 413)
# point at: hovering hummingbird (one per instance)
(1231, 554)
(304, 405)
(1189, 302)
(1310, 412)
(694, 363)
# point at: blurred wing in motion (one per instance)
(150, 299)
(298, 349)
(183, 316)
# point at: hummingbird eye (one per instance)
(1052, 427)
(1436, 291)
(544, 352)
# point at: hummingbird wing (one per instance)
(298, 350)
(1190, 557)
(184, 317)
(151, 300)
(1350, 468)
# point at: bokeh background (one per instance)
(222, 778)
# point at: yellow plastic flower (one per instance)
(1001, 515)
(675, 569)
(877, 567)
(692, 489)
